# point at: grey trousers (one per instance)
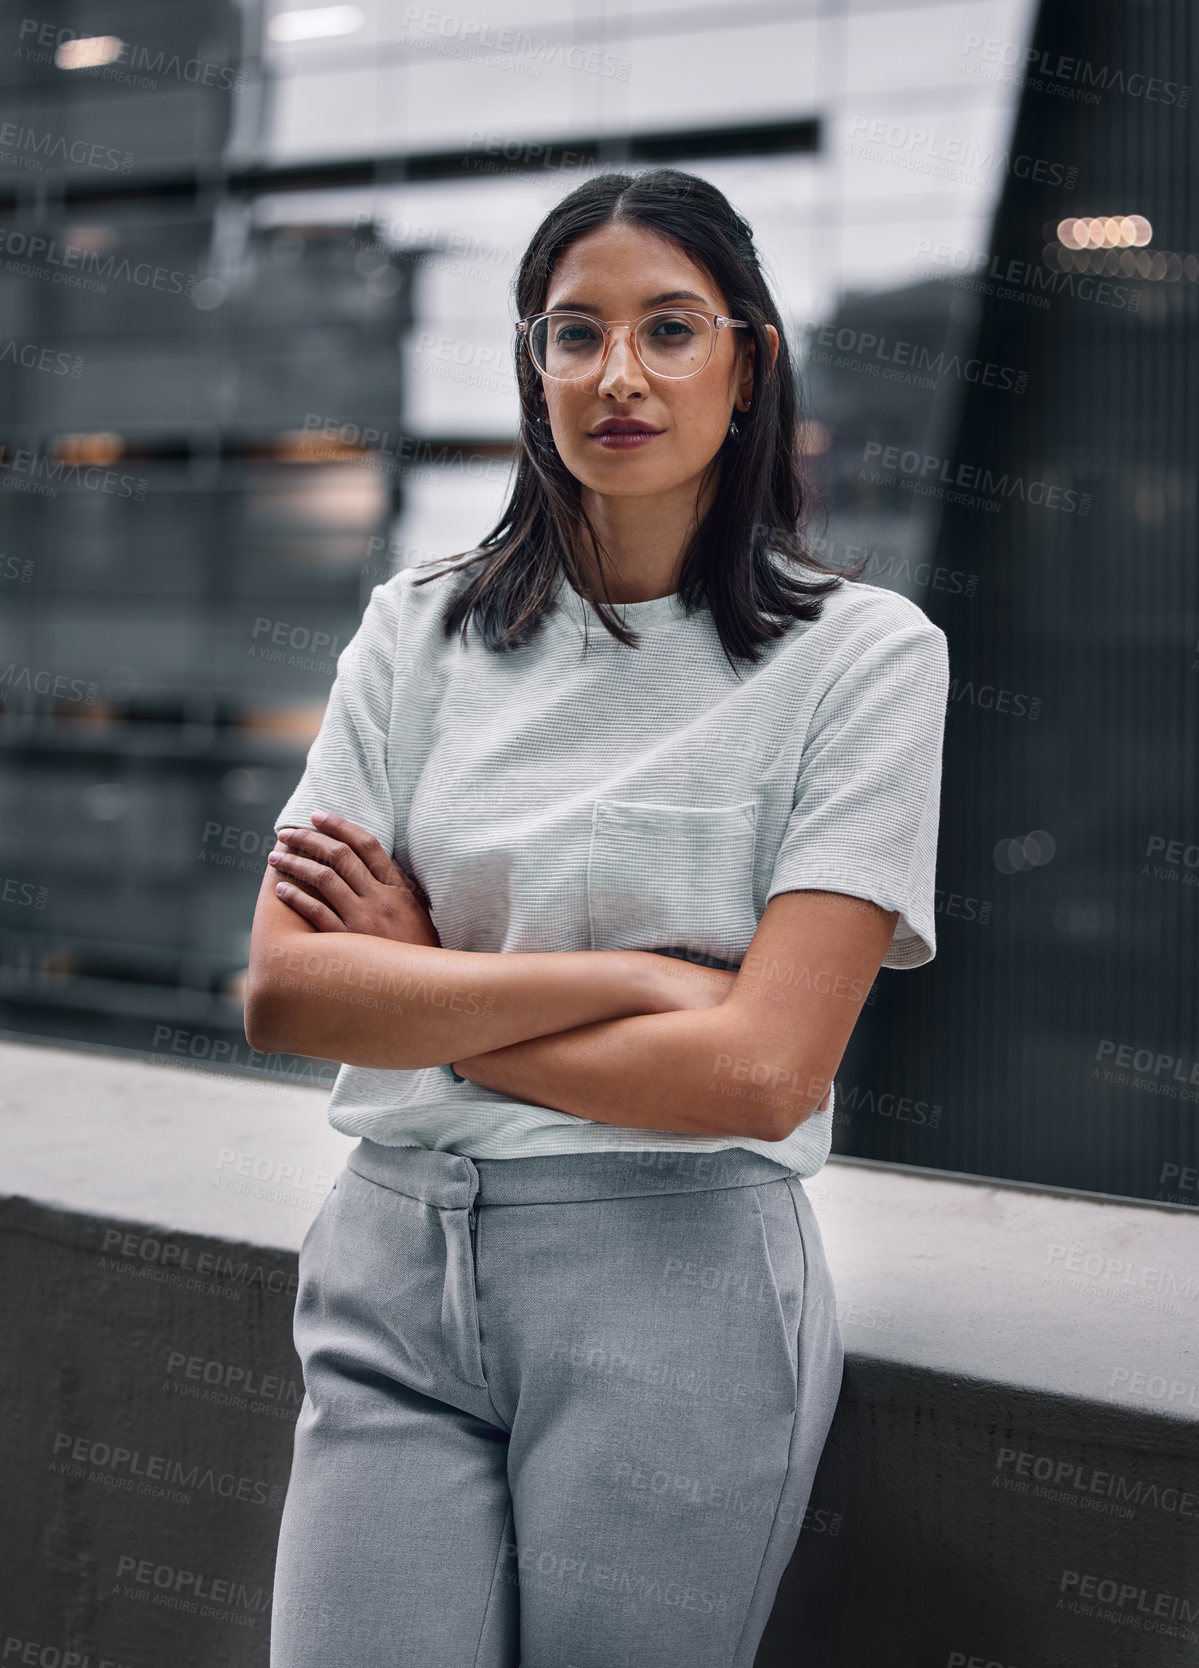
(559, 1412)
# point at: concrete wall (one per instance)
(1012, 1478)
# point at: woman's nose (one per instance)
(622, 369)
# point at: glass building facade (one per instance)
(256, 354)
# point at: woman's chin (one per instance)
(629, 476)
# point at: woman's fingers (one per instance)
(334, 854)
(362, 843)
(321, 877)
(351, 852)
(349, 849)
(311, 909)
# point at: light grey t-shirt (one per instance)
(644, 798)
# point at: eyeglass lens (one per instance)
(570, 345)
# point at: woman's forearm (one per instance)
(688, 1073)
(377, 1002)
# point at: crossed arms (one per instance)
(345, 964)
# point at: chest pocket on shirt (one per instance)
(672, 877)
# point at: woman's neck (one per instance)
(643, 539)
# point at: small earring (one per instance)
(734, 431)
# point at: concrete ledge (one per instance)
(1012, 1477)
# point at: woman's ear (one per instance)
(745, 387)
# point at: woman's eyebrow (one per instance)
(650, 301)
(673, 295)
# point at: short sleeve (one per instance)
(346, 769)
(868, 791)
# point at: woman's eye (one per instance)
(668, 328)
(573, 335)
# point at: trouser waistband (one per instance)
(453, 1181)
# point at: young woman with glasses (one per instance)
(608, 828)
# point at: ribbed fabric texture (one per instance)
(570, 798)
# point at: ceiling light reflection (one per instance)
(1105, 231)
(317, 23)
(88, 53)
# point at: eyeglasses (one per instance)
(674, 344)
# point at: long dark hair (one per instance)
(759, 508)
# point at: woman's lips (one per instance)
(624, 440)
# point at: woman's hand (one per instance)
(338, 878)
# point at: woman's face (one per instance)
(618, 273)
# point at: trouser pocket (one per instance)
(388, 1283)
(783, 1256)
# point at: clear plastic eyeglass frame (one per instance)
(717, 321)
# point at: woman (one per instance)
(606, 833)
